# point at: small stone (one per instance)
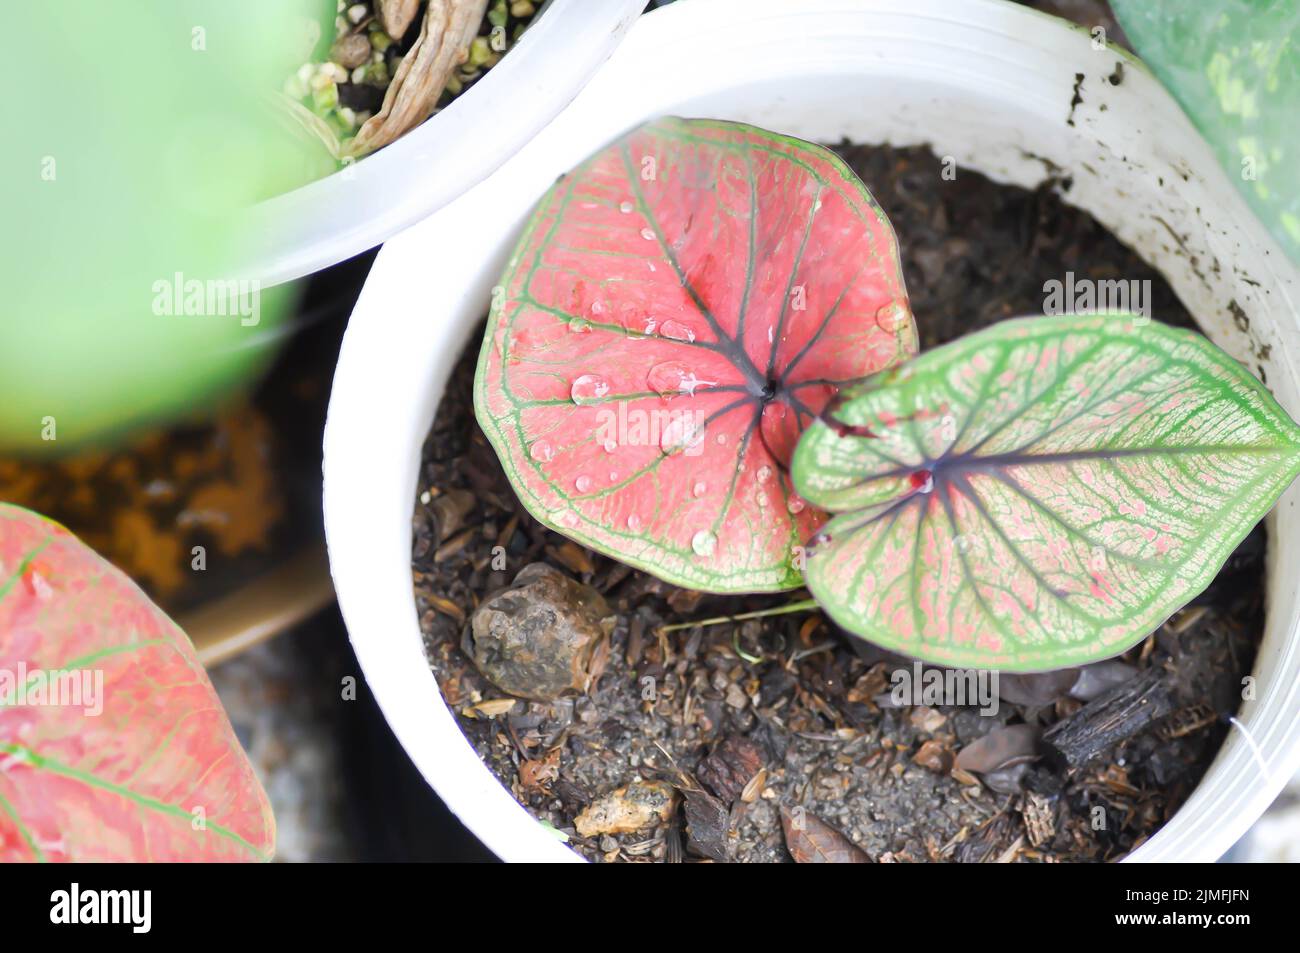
(535, 639)
(639, 804)
(736, 697)
(934, 756)
(351, 51)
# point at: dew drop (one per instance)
(597, 307)
(722, 439)
(761, 499)
(672, 378)
(647, 234)
(649, 327)
(588, 389)
(922, 481)
(892, 316)
(611, 445)
(764, 473)
(677, 331)
(582, 483)
(682, 434)
(698, 489)
(704, 543)
(613, 476)
(564, 517)
(625, 207)
(634, 523)
(542, 451)
(795, 505)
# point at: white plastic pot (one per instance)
(357, 208)
(985, 82)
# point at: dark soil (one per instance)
(787, 715)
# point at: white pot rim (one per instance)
(355, 209)
(986, 82)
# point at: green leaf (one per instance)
(1234, 65)
(1040, 494)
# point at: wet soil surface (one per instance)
(780, 738)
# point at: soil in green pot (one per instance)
(778, 739)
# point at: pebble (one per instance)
(535, 638)
(639, 804)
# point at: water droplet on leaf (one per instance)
(682, 433)
(892, 316)
(677, 331)
(673, 378)
(625, 207)
(588, 389)
(582, 483)
(703, 543)
(542, 451)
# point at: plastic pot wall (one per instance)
(987, 83)
(357, 208)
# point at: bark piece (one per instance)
(708, 825)
(730, 766)
(448, 29)
(1109, 719)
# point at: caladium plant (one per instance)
(1040, 494)
(113, 745)
(679, 308)
(1037, 495)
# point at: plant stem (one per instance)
(803, 605)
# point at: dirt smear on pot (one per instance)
(783, 738)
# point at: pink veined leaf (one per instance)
(113, 745)
(1040, 494)
(679, 308)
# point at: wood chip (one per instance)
(443, 44)
(493, 708)
(448, 608)
(396, 16)
(1040, 819)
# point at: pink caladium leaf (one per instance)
(679, 308)
(113, 745)
(1039, 494)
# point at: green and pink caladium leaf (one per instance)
(678, 309)
(1039, 494)
(113, 745)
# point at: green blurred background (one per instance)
(142, 132)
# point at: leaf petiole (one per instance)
(803, 605)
